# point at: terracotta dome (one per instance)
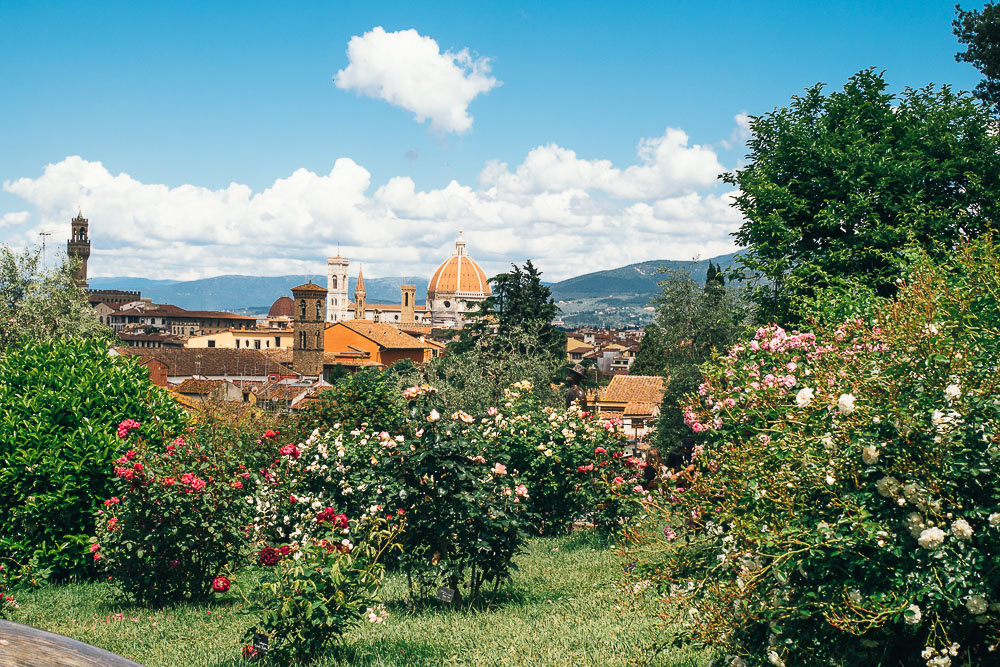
(282, 307)
(458, 275)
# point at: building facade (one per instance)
(310, 321)
(336, 288)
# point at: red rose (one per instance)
(167, 481)
(269, 556)
(220, 584)
(137, 467)
(292, 500)
(285, 550)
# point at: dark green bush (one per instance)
(60, 404)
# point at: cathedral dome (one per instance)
(282, 307)
(459, 275)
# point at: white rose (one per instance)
(804, 397)
(845, 404)
(977, 605)
(854, 596)
(914, 615)
(869, 455)
(995, 519)
(433, 416)
(952, 392)
(931, 538)
(887, 486)
(961, 529)
(775, 659)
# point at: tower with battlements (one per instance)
(310, 323)
(78, 248)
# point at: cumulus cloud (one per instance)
(569, 215)
(14, 218)
(408, 70)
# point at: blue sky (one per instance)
(178, 101)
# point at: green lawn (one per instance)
(563, 607)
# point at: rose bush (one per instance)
(314, 591)
(844, 505)
(177, 518)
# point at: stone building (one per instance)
(78, 247)
(336, 287)
(310, 321)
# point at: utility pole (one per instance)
(43, 235)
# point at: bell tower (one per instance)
(310, 323)
(336, 287)
(359, 297)
(78, 247)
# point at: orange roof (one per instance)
(634, 389)
(309, 286)
(638, 409)
(459, 274)
(385, 335)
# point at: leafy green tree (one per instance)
(519, 302)
(650, 358)
(838, 184)
(370, 396)
(61, 402)
(693, 321)
(41, 304)
(979, 31)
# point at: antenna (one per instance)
(43, 235)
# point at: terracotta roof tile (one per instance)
(634, 388)
(210, 361)
(385, 335)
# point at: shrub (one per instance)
(369, 398)
(60, 402)
(843, 506)
(312, 593)
(176, 519)
(568, 459)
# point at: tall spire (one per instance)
(460, 245)
(359, 296)
(360, 287)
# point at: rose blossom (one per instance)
(845, 404)
(499, 469)
(220, 584)
(804, 397)
(961, 529)
(433, 416)
(931, 538)
(977, 605)
(870, 454)
(913, 618)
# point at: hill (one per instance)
(249, 294)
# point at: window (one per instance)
(211, 342)
(277, 341)
(302, 309)
(319, 310)
(447, 304)
(256, 344)
(406, 299)
(334, 283)
(302, 338)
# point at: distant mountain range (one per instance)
(616, 297)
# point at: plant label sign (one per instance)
(446, 594)
(260, 643)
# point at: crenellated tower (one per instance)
(78, 247)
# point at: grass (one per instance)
(562, 607)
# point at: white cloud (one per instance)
(14, 218)
(408, 70)
(570, 216)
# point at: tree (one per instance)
(39, 304)
(519, 302)
(692, 322)
(650, 359)
(980, 32)
(838, 184)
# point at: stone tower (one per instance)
(310, 323)
(359, 297)
(407, 293)
(78, 247)
(336, 287)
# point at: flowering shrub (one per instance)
(845, 503)
(176, 519)
(60, 402)
(314, 592)
(567, 457)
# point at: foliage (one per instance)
(571, 461)
(319, 589)
(476, 379)
(518, 303)
(42, 304)
(176, 517)
(650, 359)
(369, 397)
(838, 184)
(843, 506)
(979, 31)
(692, 321)
(60, 402)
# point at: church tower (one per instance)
(336, 288)
(310, 323)
(359, 297)
(407, 294)
(78, 247)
